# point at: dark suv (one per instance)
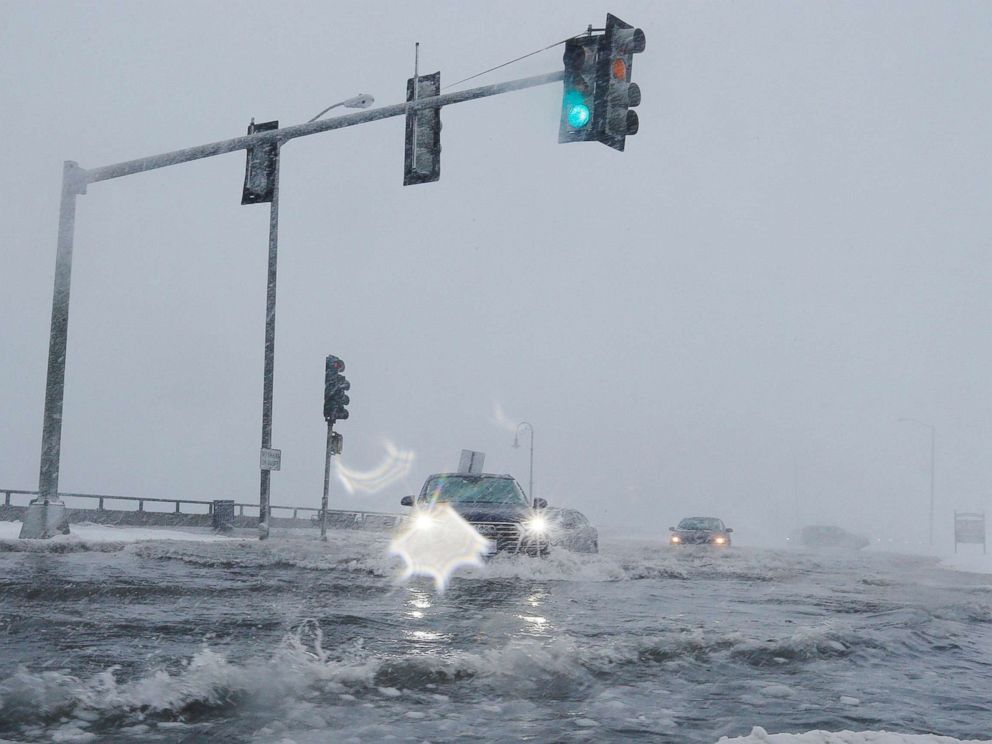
(495, 506)
(700, 531)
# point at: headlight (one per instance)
(676, 539)
(720, 540)
(423, 521)
(536, 525)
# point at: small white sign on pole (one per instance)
(471, 462)
(271, 459)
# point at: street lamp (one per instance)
(516, 445)
(933, 442)
(362, 100)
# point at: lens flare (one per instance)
(500, 419)
(395, 467)
(537, 525)
(435, 542)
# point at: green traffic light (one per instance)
(578, 116)
(577, 112)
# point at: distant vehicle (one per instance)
(571, 530)
(829, 536)
(495, 506)
(700, 531)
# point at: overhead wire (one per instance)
(505, 64)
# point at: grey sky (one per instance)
(792, 254)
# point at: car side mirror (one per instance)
(540, 503)
(406, 501)
(671, 529)
(730, 529)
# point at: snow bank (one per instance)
(969, 562)
(759, 736)
(86, 532)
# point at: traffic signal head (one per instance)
(422, 158)
(335, 390)
(578, 104)
(616, 95)
(260, 169)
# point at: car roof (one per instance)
(470, 475)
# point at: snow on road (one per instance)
(103, 533)
(759, 736)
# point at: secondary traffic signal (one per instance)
(422, 159)
(335, 390)
(615, 94)
(579, 120)
(260, 170)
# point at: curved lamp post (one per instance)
(516, 445)
(362, 100)
(933, 441)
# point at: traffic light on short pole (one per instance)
(336, 386)
(616, 95)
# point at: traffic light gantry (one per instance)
(598, 68)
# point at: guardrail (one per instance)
(336, 516)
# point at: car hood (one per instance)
(476, 512)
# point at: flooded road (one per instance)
(298, 641)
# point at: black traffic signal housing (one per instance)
(579, 115)
(336, 387)
(615, 94)
(260, 170)
(422, 158)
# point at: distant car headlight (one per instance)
(676, 539)
(720, 540)
(536, 525)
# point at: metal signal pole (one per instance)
(327, 480)
(264, 510)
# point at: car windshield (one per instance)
(700, 523)
(474, 489)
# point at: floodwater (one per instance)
(298, 641)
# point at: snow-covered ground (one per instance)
(759, 736)
(972, 562)
(103, 533)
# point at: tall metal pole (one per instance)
(933, 452)
(46, 514)
(327, 481)
(516, 445)
(264, 510)
(531, 462)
